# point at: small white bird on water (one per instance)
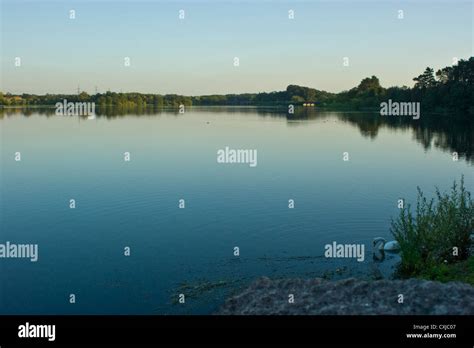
(381, 244)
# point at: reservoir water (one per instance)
(136, 204)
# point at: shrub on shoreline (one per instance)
(438, 232)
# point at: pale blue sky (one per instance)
(194, 56)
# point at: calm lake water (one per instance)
(191, 250)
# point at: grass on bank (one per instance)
(435, 238)
(462, 271)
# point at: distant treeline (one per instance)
(449, 89)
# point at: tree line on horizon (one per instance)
(449, 89)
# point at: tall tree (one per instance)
(425, 80)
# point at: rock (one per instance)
(352, 296)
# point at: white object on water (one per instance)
(381, 244)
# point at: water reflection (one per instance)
(450, 133)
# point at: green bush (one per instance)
(428, 236)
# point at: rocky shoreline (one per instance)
(351, 297)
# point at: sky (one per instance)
(195, 55)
